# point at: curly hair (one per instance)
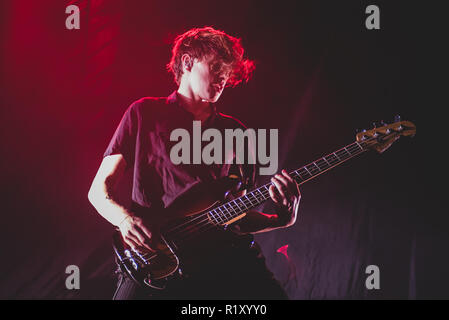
(200, 43)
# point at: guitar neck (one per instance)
(234, 209)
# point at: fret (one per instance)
(255, 198)
(347, 151)
(324, 158)
(223, 208)
(311, 169)
(222, 212)
(231, 208)
(336, 156)
(219, 216)
(332, 159)
(296, 176)
(263, 197)
(342, 156)
(305, 167)
(242, 202)
(229, 212)
(300, 175)
(322, 164)
(239, 210)
(351, 149)
(316, 166)
(222, 216)
(255, 195)
(235, 208)
(212, 216)
(361, 148)
(266, 187)
(249, 200)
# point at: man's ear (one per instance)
(187, 62)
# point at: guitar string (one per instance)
(315, 171)
(207, 221)
(352, 146)
(185, 235)
(209, 224)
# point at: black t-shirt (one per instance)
(143, 138)
(236, 266)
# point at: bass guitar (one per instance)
(204, 210)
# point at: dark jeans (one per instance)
(232, 273)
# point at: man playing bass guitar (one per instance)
(204, 61)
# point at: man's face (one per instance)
(208, 79)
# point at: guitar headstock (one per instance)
(380, 138)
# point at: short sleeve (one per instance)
(124, 139)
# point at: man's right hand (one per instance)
(136, 234)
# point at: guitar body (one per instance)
(154, 269)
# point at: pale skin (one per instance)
(200, 85)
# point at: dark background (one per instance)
(320, 76)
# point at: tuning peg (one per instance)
(382, 123)
(397, 118)
(374, 125)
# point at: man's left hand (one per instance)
(284, 191)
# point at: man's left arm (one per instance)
(285, 193)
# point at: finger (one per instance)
(144, 229)
(280, 187)
(141, 240)
(288, 187)
(274, 195)
(132, 242)
(293, 185)
(282, 179)
(287, 176)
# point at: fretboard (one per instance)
(229, 211)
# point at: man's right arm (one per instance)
(102, 189)
(101, 196)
